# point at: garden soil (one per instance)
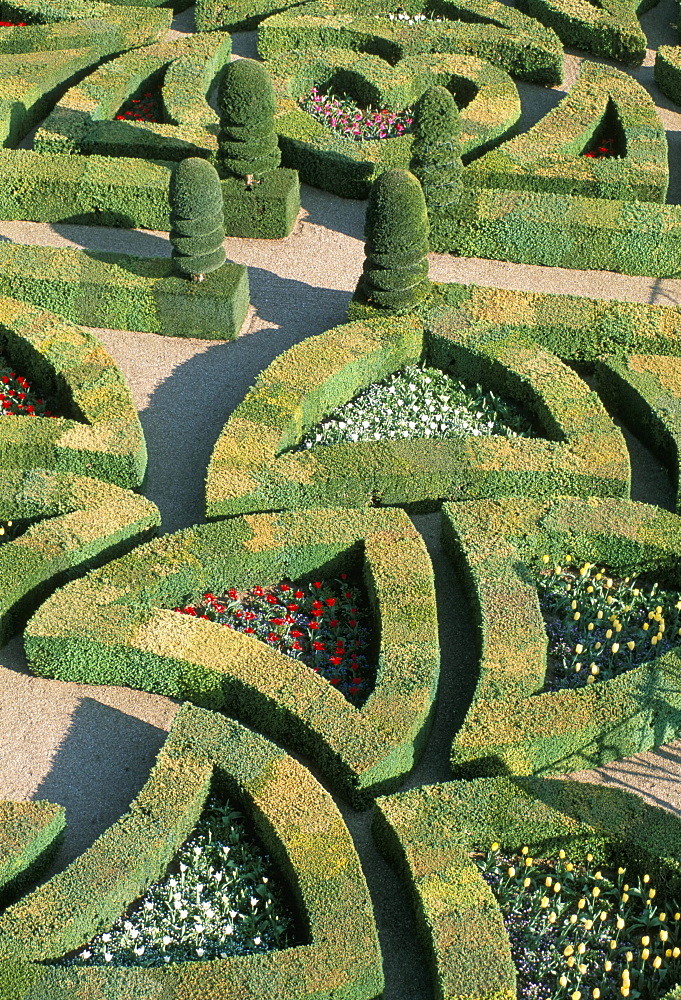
(91, 748)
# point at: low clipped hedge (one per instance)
(299, 826)
(645, 389)
(102, 437)
(253, 469)
(609, 29)
(123, 292)
(428, 832)
(346, 167)
(511, 726)
(603, 102)
(79, 522)
(30, 833)
(83, 121)
(668, 71)
(125, 633)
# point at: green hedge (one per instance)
(83, 121)
(122, 292)
(80, 523)
(299, 826)
(347, 167)
(609, 28)
(668, 71)
(251, 468)
(645, 390)
(427, 834)
(125, 632)
(30, 833)
(603, 103)
(102, 436)
(511, 727)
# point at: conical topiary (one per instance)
(395, 274)
(196, 217)
(436, 149)
(248, 145)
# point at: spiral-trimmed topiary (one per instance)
(436, 150)
(248, 145)
(395, 274)
(196, 217)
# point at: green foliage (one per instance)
(395, 272)
(196, 217)
(247, 140)
(436, 148)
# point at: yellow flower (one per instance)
(631, 645)
(557, 569)
(645, 954)
(630, 958)
(646, 879)
(544, 902)
(525, 850)
(613, 945)
(495, 846)
(563, 981)
(608, 634)
(528, 862)
(677, 916)
(557, 887)
(625, 897)
(621, 871)
(624, 991)
(599, 615)
(577, 995)
(597, 645)
(568, 950)
(595, 891)
(603, 915)
(581, 948)
(573, 605)
(615, 647)
(668, 953)
(657, 962)
(561, 853)
(549, 882)
(588, 924)
(664, 935)
(595, 993)
(651, 893)
(595, 669)
(589, 858)
(579, 648)
(620, 923)
(545, 559)
(676, 952)
(568, 558)
(581, 904)
(645, 940)
(607, 965)
(527, 882)
(662, 917)
(654, 640)
(569, 866)
(573, 918)
(570, 962)
(590, 627)
(511, 872)
(645, 626)
(598, 874)
(553, 916)
(589, 590)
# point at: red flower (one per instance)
(344, 576)
(233, 594)
(277, 621)
(296, 633)
(296, 645)
(330, 601)
(313, 625)
(336, 660)
(299, 593)
(317, 584)
(348, 594)
(249, 629)
(292, 607)
(352, 622)
(272, 637)
(271, 599)
(333, 622)
(284, 587)
(354, 689)
(258, 591)
(334, 680)
(318, 645)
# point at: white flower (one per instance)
(107, 956)
(229, 929)
(218, 876)
(183, 868)
(148, 905)
(210, 914)
(256, 940)
(127, 925)
(254, 900)
(200, 952)
(183, 914)
(198, 928)
(265, 880)
(134, 933)
(86, 954)
(177, 904)
(233, 913)
(342, 424)
(140, 950)
(166, 958)
(167, 939)
(106, 938)
(173, 881)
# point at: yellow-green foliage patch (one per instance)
(103, 438)
(609, 28)
(29, 834)
(299, 826)
(252, 467)
(512, 725)
(119, 628)
(78, 522)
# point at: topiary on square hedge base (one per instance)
(196, 218)
(436, 148)
(247, 141)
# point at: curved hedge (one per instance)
(30, 833)
(104, 439)
(82, 522)
(427, 834)
(253, 469)
(125, 633)
(668, 71)
(300, 827)
(347, 167)
(549, 157)
(510, 727)
(609, 28)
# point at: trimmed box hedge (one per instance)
(609, 29)
(122, 292)
(102, 437)
(348, 168)
(427, 834)
(668, 71)
(645, 389)
(512, 727)
(30, 833)
(125, 632)
(549, 157)
(252, 467)
(80, 523)
(299, 826)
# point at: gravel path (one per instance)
(90, 748)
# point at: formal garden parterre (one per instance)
(489, 409)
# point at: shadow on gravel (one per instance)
(342, 215)
(110, 238)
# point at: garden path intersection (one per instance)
(90, 747)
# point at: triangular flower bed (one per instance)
(511, 727)
(71, 366)
(297, 823)
(253, 468)
(70, 523)
(117, 626)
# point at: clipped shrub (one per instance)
(196, 218)
(396, 231)
(248, 145)
(436, 150)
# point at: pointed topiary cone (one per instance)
(436, 148)
(196, 217)
(395, 274)
(248, 144)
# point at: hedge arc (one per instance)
(301, 829)
(84, 521)
(511, 727)
(253, 469)
(125, 633)
(609, 29)
(30, 832)
(427, 834)
(104, 439)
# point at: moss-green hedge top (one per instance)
(549, 156)
(104, 439)
(299, 826)
(347, 167)
(253, 469)
(511, 726)
(132, 25)
(27, 832)
(126, 633)
(609, 28)
(80, 522)
(428, 832)
(488, 30)
(83, 120)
